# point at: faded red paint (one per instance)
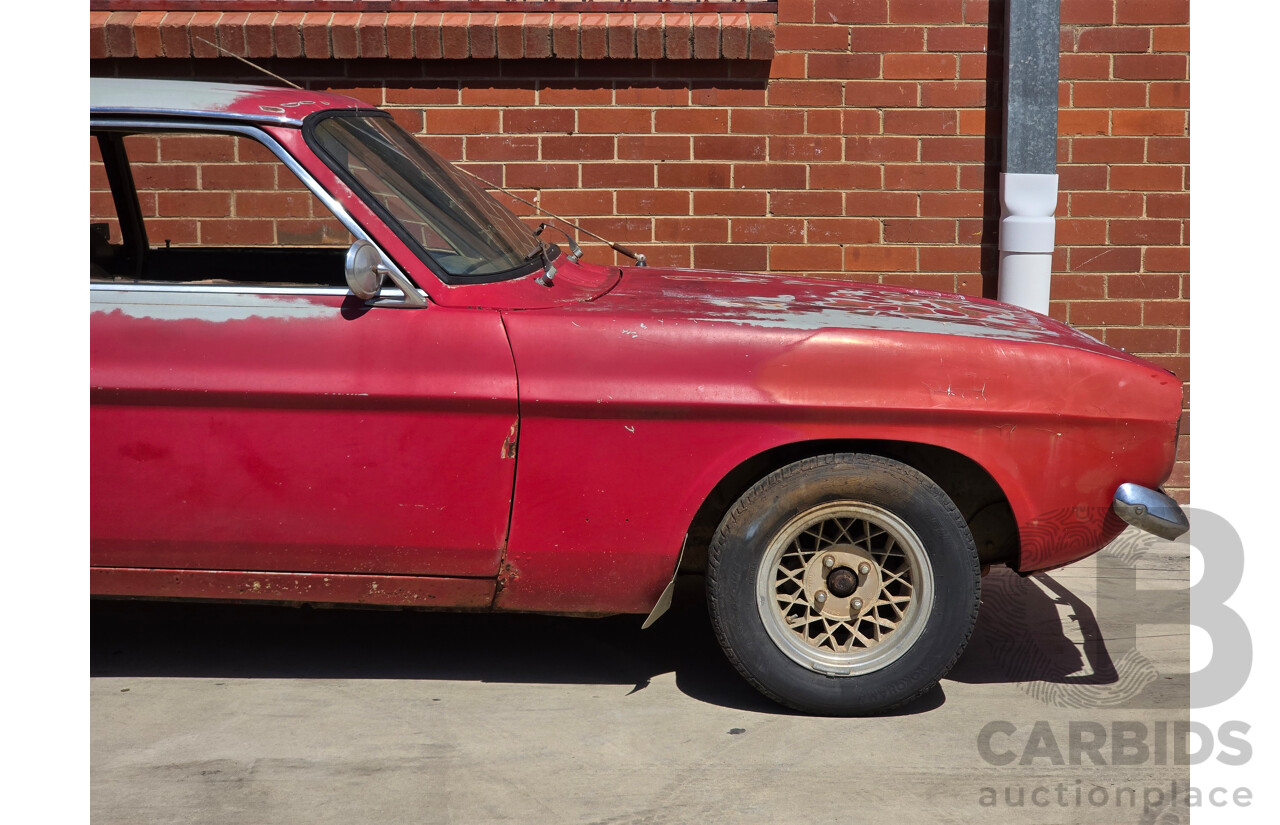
(552, 444)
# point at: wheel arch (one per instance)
(974, 491)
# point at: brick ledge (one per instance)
(431, 36)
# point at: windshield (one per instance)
(441, 212)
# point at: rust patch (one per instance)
(507, 573)
(509, 445)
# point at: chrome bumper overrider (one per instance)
(1150, 510)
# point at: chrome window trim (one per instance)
(273, 119)
(407, 295)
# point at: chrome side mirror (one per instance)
(364, 270)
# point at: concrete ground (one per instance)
(251, 714)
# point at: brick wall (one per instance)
(866, 146)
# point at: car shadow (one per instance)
(199, 640)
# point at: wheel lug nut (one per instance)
(820, 597)
(856, 604)
(829, 562)
(864, 568)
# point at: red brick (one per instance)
(760, 37)
(1108, 259)
(649, 35)
(238, 176)
(1167, 259)
(482, 35)
(1108, 94)
(855, 121)
(958, 39)
(258, 35)
(919, 122)
(1169, 205)
(1171, 39)
(735, 33)
(615, 175)
(919, 231)
(951, 258)
(510, 36)
(687, 230)
(546, 175)
(770, 176)
(843, 230)
(925, 66)
(615, 121)
(1075, 286)
(848, 176)
(98, 34)
(851, 66)
(454, 121)
(706, 36)
(1143, 340)
(537, 35)
(538, 120)
(344, 41)
(714, 147)
(1084, 66)
(766, 121)
(880, 204)
(1106, 313)
(1080, 232)
(805, 93)
(692, 121)
(731, 257)
(1169, 150)
(1145, 285)
(422, 95)
(879, 258)
(924, 11)
(953, 94)
(174, 37)
(955, 149)
(851, 11)
(1114, 39)
(812, 38)
(678, 43)
(784, 204)
(426, 36)
(564, 35)
(735, 202)
(881, 39)
(646, 147)
(805, 258)
(502, 147)
(1171, 95)
(203, 34)
(193, 204)
(767, 230)
(146, 34)
(805, 148)
(1153, 11)
(867, 149)
(1146, 178)
(649, 93)
(1170, 313)
(653, 202)
(399, 35)
(1084, 122)
(694, 175)
(919, 176)
(879, 93)
(1085, 12)
(1147, 122)
(951, 204)
(582, 147)
(498, 93)
(1151, 67)
(1081, 178)
(1106, 204)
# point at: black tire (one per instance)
(925, 547)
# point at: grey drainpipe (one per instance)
(1029, 181)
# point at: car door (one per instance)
(248, 412)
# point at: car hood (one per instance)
(805, 304)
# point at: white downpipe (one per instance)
(1027, 204)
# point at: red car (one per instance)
(327, 367)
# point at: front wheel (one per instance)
(844, 584)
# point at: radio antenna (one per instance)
(249, 62)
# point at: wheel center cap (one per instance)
(842, 582)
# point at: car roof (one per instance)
(264, 104)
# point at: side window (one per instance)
(211, 208)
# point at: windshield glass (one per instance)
(449, 218)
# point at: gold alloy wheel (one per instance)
(845, 588)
